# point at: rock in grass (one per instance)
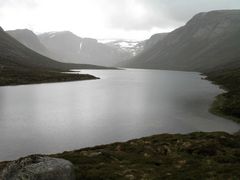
(38, 167)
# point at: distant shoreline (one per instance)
(12, 77)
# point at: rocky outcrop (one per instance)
(38, 167)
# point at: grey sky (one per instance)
(105, 19)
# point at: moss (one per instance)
(167, 156)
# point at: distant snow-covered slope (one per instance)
(131, 47)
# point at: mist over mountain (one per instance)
(70, 48)
(207, 41)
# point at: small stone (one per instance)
(90, 153)
(130, 176)
(186, 144)
(146, 155)
(182, 162)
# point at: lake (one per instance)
(122, 105)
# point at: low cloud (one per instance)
(105, 18)
(162, 13)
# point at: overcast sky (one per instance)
(105, 19)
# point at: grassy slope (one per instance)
(193, 156)
(227, 104)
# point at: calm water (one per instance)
(124, 104)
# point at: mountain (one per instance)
(15, 54)
(30, 40)
(73, 49)
(207, 41)
(32, 49)
(21, 65)
(134, 48)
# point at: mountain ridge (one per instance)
(206, 41)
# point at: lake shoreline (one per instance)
(227, 104)
(157, 156)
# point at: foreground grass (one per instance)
(227, 104)
(166, 156)
(14, 76)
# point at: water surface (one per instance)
(123, 104)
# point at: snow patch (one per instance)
(80, 46)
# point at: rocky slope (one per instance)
(70, 48)
(206, 41)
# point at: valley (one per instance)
(182, 85)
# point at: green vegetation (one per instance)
(193, 156)
(16, 76)
(227, 104)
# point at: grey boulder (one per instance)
(38, 167)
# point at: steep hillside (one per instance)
(154, 39)
(70, 48)
(30, 40)
(208, 40)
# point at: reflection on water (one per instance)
(122, 105)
